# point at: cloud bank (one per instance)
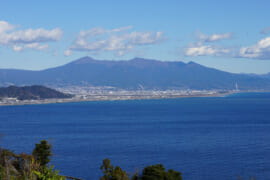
(124, 40)
(261, 50)
(205, 50)
(11, 35)
(204, 45)
(213, 37)
(119, 41)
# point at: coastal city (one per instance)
(89, 93)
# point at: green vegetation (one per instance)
(111, 173)
(28, 167)
(35, 167)
(154, 172)
(157, 172)
(42, 153)
(31, 92)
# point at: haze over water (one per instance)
(204, 138)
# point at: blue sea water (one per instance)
(204, 138)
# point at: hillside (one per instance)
(31, 92)
(267, 76)
(134, 74)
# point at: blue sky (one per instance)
(229, 35)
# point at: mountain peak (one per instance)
(84, 60)
(192, 62)
(140, 60)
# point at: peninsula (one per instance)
(16, 95)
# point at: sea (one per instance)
(205, 138)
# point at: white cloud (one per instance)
(29, 38)
(67, 52)
(261, 50)
(99, 31)
(121, 29)
(205, 50)
(36, 46)
(202, 47)
(17, 48)
(266, 30)
(119, 40)
(5, 26)
(213, 37)
(143, 38)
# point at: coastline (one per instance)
(106, 97)
(112, 98)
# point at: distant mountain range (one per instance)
(266, 76)
(135, 74)
(31, 92)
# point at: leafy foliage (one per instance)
(158, 172)
(28, 167)
(154, 172)
(35, 167)
(111, 173)
(42, 153)
(49, 174)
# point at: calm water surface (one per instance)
(204, 138)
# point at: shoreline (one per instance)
(111, 98)
(97, 98)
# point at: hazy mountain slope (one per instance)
(137, 72)
(267, 76)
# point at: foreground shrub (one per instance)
(28, 167)
(154, 172)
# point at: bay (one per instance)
(203, 138)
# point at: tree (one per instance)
(173, 175)
(119, 174)
(111, 173)
(157, 172)
(106, 169)
(42, 153)
(28, 167)
(154, 172)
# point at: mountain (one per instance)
(133, 74)
(266, 75)
(31, 92)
